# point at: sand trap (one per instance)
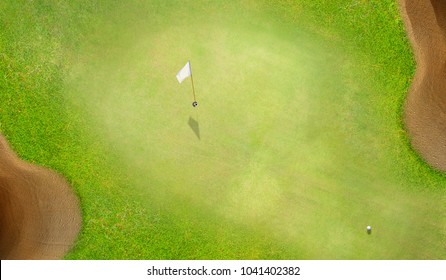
(39, 214)
(425, 108)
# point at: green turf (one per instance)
(301, 140)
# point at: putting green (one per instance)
(296, 145)
(287, 145)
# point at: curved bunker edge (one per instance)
(40, 216)
(425, 107)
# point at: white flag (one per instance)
(184, 73)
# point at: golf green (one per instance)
(295, 147)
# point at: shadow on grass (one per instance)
(195, 127)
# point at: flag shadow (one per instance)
(195, 127)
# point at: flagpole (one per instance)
(193, 88)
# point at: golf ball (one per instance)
(369, 228)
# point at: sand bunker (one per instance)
(39, 213)
(425, 108)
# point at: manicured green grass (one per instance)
(301, 140)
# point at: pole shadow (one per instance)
(195, 127)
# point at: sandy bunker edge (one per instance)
(40, 217)
(425, 107)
